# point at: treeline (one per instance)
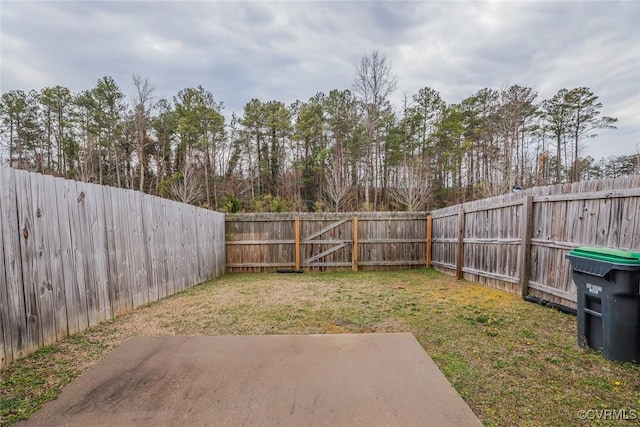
(345, 150)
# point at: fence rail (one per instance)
(325, 241)
(518, 242)
(74, 254)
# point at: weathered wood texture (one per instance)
(267, 242)
(75, 254)
(518, 242)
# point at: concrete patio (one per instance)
(294, 380)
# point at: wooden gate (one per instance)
(326, 243)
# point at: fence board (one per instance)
(191, 232)
(71, 264)
(54, 239)
(87, 217)
(6, 353)
(123, 249)
(113, 268)
(138, 256)
(172, 254)
(220, 244)
(4, 312)
(142, 267)
(163, 256)
(630, 234)
(28, 259)
(524, 258)
(106, 226)
(4, 308)
(43, 219)
(11, 235)
(151, 247)
(98, 237)
(180, 250)
(200, 248)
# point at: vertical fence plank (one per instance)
(56, 259)
(27, 256)
(179, 245)
(141, 248)
(193, 248)
(112, 265)
(4, 307)
(201, 245)
(297, 244)
(58, 237)
(44, 217)
(356, 245)
(16, 329)
(121, 237)
(139, 294)
(460, 245)
(181, 242)
(106, 228)
(5, 338)
(87, 220)
(220, 239)
(5, 335)
(71, 258)
(429, 241)
(149, 223)
(128, 222)
(128, 208)
(164, 264)
(100, 256)
(212, 221)
(526, 222)
(171, 243)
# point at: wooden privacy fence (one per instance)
(518, 242)
(325, 241)
(74, 254)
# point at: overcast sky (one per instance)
(289, 51)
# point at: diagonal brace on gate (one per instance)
(327, 252)
(324, 230)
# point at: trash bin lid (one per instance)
(615, 256)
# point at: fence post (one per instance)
(297, 230)
(525, 252)
(354, 252)
(429, 238)
(460, 250)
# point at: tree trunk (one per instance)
(559, 157)
(206, 174)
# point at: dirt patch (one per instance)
(389, 325)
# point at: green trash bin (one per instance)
(608, 282)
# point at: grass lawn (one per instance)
(515, 363)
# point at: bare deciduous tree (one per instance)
(143, 105)
(337, 186)
(187, 189)
(373, 85)
(413, 189)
